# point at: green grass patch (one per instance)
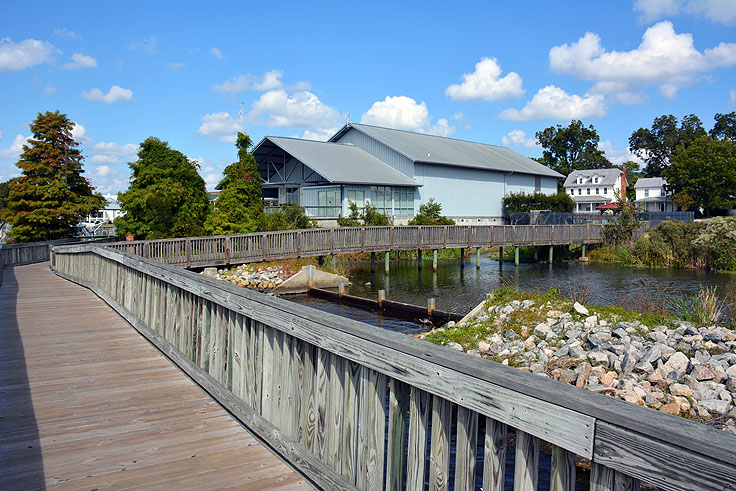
(466, 335)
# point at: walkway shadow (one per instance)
(21, 462)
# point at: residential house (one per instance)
(592, 188)
(652, 195)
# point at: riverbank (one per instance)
(648, 359)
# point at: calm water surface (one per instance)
(457, 289)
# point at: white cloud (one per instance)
(517, 138)
(302, 109)
(441, 128)
(460, 118)
(720, 11)
(102, 171)
(552, 102)
(64, 32)
(216, 53)
(617, 92)
(148, 44)
(15, 149)
(172, 65)
(663, 58)
(112, 153)
(399, 112)
(617, 155)
(49, 89)
(271, 80)
(115, 94)
(80, 60)
(486, 83)
(733, 97)
(79, 133)
(221, 125)
(25, 54)
(319, 135)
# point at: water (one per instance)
(459, 289)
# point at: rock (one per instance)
(563, 351)
(511, 334)
(542, 330)
(633, 397)
(484, 348)
(527, 303)
(555, 314)
(680, 390)
(609, 379)
(598, 343)
(455, 346)
(450, 325)
(725, 395)
(580, 309)
(715, 405)
(702, 372)
(211, 272)
(568, 376)
(576, 351)
(671, 408)
(652, 355)
(677, 362)
(474, 352)
(702, 356)
(536, 368)
(643, 367)
(598, 357)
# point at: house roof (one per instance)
(650, 182)
(591, 199)
(608, 177)
(338, 163)
(432, 149)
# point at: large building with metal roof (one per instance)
(395, 171)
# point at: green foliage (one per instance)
(560, 202)
(4, 193)
(166, 197)
(369, 216)
(633, 174)
(725, 127)
(703, 174)
(623, 225)
(716, 241)
(703, 309)
(655, 146)
(289, 217)
(570, 148)
(239, 207)
(51, 196)
(430, 213)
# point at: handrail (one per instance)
(314, 386)
(262, 246)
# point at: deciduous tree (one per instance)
(725, 127)
(166, 197)
(573, 147)
(656, 145)
(51, 196)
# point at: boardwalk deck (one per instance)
(86, 402)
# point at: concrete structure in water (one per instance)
(396, 171)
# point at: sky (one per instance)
(195, 73)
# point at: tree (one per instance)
(51, 196)
(725, 127)
(621, 228)
(632, 171)
(570, 148)
(4, 193)
(703, 174)
(369, 216)
(239, 207)
(289, 217)
(166, 197)
(522, 202)
(655, 146)
(430, 213)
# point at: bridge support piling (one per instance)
(419, 258)
(477, 258)
(386, 263)
(583, 250)
(516, 255)
(462, 258)
(321, 260)
(536, 254)
(434, 260)
(373, 262)
(551, 253)
(500, 255)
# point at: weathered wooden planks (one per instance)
(526, 469)
(439, 459)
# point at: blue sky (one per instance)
(494, 72)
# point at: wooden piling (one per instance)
(373, 262)
(434, 260)
(477, 258)
(386, 262)
(516, 255)
(419, 259)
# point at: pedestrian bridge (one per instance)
(345, 404)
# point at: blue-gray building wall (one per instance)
(379, 150)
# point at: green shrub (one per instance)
(716, 240)
(522, 202)
(369, 216)
(430, 213)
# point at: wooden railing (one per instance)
(338, 398)
(235, 249)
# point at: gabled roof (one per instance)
(650, 182)
(608, 177)
(420, 147)
(338, 163)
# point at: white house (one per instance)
(592, 188)
(652, 195)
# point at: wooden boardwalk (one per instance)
(86, 403)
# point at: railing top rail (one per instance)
(671, 440)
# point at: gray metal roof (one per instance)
(608, 177)
(592, 199)
(650, 182)
(432, 149)
(338, 163)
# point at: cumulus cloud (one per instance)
(486, 83)
(271, 80)
(720, 11)
(79, 133)
(64, 32)
(319, 135)
(517, 138)
(461, 120)
(115, 94)
(80, 60)
(552, 102)
(112, 153)
(221, 125)
(399, 112)
(25, 54)
(15, 149)
(302, 109)
(148, 45)
(441, 128)
(663, 58)
(617, 155)
(618, 92)
(49, 89)
(216, 53)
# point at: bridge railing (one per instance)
(233, 249)
(339, 398)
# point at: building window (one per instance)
(381, 199)
(597, 190)
(661, 192)
(328, 203)
(537, 183)
(357, 197)
(588, 190)
(646, 193)
(404, 202)
(596, 180)
(605, 190)
(580, 191)
(572, 191)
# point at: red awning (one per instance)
(608, 206)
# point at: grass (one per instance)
(466, 335)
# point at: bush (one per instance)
(716, 240)
(370, 216)
(516, 202)
(289, 217)
(430, 213)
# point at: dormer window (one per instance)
(595, 180)
(646, 193)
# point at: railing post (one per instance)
(552, 236)
(299, 244)
(188, 251)
(419, 237)
(332, 240)
(146, 250)
(362, 239)
(534, 233)
(468, 235)
(444, 236)
(392, 233)
(264, 245)
(227, 250)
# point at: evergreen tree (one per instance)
(167, 197)
(239, 207)
(51, 195)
